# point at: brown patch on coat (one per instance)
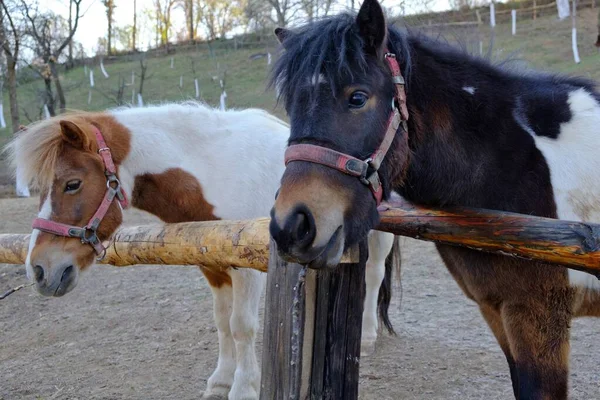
(174, 196)
(214, 278)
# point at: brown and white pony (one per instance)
(477, 135)
(180, 162)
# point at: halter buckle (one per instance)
(89, 235)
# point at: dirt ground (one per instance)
(146, 332)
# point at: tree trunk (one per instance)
(49, 96)
(191, 19)
(109, 14)
(11, 80)
(62, 101)
(134, 23)
(70, 62)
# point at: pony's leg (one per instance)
(538, 335)
(247, 289)
(221, 380)
(380, 244)
(494, 320)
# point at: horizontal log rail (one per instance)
(245, 244)
(216, 245)
(568, 243)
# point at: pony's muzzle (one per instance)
(55, 281)
(295, 238)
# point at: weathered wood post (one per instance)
(312, 328)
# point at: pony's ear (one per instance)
(74, 135)
(282, 34)
(372, 26)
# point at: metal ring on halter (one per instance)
(92, 238)
(100, 257)
(113, 179)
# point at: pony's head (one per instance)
(60, 156)
(338, 90)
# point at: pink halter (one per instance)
(114, 192)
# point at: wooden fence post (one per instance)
(312, 328)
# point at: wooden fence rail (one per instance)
(244, 244)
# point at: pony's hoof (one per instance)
(212, 396)
(367, 347)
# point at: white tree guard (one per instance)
(2, 121)
(46, 112)
(22, 189)
(492, 14)
(140, 100)
(574, 44)
(268, 58)
(513, 13)
(103, 70)
(563, 8)
(181, 81)
(222, 100)
(91, 78)
(197, 86)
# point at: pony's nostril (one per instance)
(38, 273)
(303, 229)
(67, 273)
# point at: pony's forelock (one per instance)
(35, 151)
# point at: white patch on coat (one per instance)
(317, 80)
(574, 163)
(469, 89)
(45, 212)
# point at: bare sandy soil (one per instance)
(146, 332)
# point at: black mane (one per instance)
(310, 49)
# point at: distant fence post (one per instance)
(2, 121)
(312, 329)
(513, 13)
(492, 14)
(563, 8)
(574, 34)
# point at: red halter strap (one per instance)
(114, 192)
(351, 165)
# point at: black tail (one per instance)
(392, 262)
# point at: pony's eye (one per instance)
(72, 186)
(358, 99)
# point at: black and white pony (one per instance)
(477, 136)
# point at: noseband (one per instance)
(351, 165)
(114, 192)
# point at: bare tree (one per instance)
(10, 40)
(110, 9)
(162, 9)
(597, 44)
(315, 8)
(134, 31)
(190, 17)
(284, 10)
(50, 42)
(220, 16)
